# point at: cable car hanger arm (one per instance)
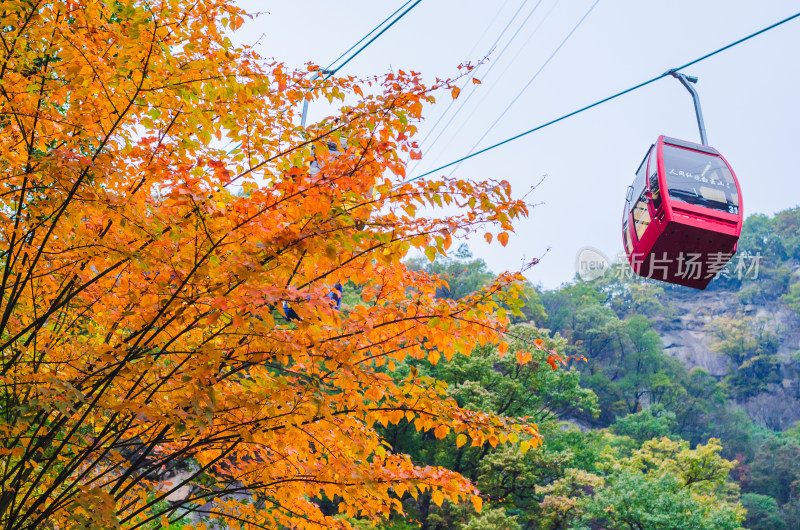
(685, 81)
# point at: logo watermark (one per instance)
(591, 263)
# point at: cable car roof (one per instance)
(690, 145)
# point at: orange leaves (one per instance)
(502, 237)
(433, 357)
(502, 348)
(184, 262)
(455, 91)
(441, 431)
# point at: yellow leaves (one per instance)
(437, 497)
(477, 503)
(461, 439)
(430, 252)
(249, 186)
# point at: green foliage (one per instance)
(493, 519)
(653, 467)
(792, 298)
(627, 366)
(463, 275)
(655, 422)
(662, 484)
(775, 469)
(751, 346)
(763, 513)
(634, 500)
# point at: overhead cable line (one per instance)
(496, 61)
(531, 80)
(365, 37)
(609, 98)
(329, 73)
(487, 92)
(373, 39)
(491, 48)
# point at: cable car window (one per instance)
(641, 215)
(700, 179)
(639, 182)
(628, 198)
(655, 191)
(638, 193)
(626, 235)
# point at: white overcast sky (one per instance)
(750, 97)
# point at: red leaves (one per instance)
(551, 360)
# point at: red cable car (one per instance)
(683, 212)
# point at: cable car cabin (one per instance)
(683, 214)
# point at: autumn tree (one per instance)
(158, 208)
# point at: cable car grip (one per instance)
(687, 81)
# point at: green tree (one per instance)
(663, 484)
(751, 346)
(775, 468)
(763, 513)
(792, 298)
(654, 422)
(490, 381)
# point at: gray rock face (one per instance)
(690, 337)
